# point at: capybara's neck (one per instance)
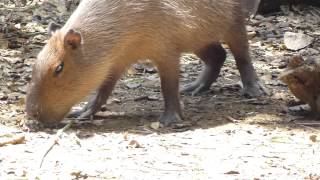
(98, 28)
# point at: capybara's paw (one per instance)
(195, 88)
(83, 114)
(75, 114)
(93, 106)
(255, 90)
(86, 114)
(169, 118)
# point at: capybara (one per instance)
(103, 37)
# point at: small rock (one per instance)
(283, 24)
(155, 125)
(296, 41)
(251, 35)
(133, 85)
(114, 100)
(259, 17)
(300, 108)
(153, 98)
(103, 108)
(138, 67)
(250, 28)
(150, 70)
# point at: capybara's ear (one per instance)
(72, 39)
(53, 27)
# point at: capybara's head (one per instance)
(58, 78)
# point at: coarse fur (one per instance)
(117, 33)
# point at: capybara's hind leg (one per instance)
(238, 44)
(213, 57)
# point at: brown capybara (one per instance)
(103, 37)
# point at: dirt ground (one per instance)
(230, 137)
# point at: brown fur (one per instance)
(116, 34)
(303, 79)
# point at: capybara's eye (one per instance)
(59, 69)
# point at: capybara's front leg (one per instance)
(169, 75)
(100, 97)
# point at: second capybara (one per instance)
(103, 37)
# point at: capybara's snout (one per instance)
(40, 112)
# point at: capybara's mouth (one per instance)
(48, 120)
(40, 117)
(49, 123)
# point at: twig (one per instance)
(55, 141)
(13, 141)
(310, 123)
(140, 98)
(233, 120)
(308, 127)
(236, 101)
(245, 100)
(159, 169)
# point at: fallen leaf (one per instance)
(232, 172)
(13, 141)
(279, 139)
(313, 138)
(79, 175)
(134, 144)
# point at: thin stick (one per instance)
(233, 120)
(308, 127)
(55, 141)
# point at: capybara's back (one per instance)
(103, 37)
(182, 23)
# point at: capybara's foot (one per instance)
(195, 88)
(88, 110)
(76, 113)
(169, 118)
(83, 114)
(254, 89)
